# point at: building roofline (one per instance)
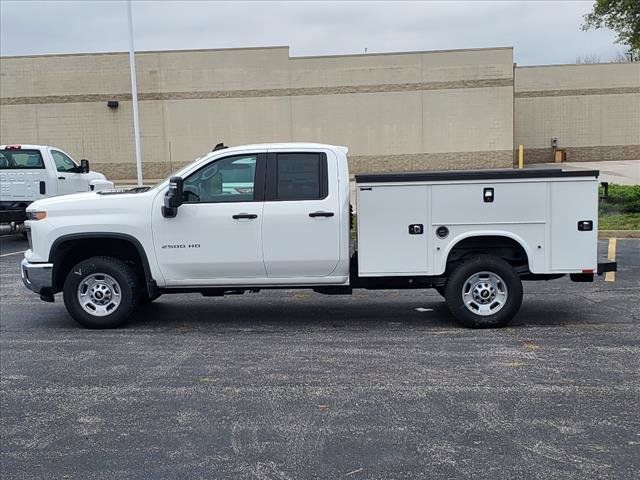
(303, 57)
(409, 52)
(84, 54)
(576, 64)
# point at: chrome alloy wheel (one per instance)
(484, 293)
(99, 294)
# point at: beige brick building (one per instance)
(400, 111)
(593, 111)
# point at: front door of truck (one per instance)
(301, 225)
(69, 177)
(216, 237)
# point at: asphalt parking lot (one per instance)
(293, 384)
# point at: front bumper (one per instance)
(37, 277)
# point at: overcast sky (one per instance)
(542, 32)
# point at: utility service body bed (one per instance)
(409, 222)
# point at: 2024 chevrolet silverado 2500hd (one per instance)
(33, 172)
(472, 235)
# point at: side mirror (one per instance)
(84, 166)
(173, 198)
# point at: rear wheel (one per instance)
(484, 292)
(101, 292)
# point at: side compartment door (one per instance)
(573, 248)
(216, 235)
(301, 224)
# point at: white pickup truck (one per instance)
(278, 216)
(32, 172)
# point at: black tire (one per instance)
(127, 289)
(462, 275)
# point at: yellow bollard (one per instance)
(611, 255)
(521, 156)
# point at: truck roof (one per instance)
(267, 146)
(24, 146)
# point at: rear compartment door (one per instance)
(574, 247)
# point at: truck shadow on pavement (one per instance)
(312, 313)
(285, 314)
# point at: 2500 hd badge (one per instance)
(182, 245)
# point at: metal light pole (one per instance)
(134, 96)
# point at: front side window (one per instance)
(63, 162)
(20, 160)
(301, 176)
(230, 179)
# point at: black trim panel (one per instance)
(450, 175)
(8, 216)
(604, 267)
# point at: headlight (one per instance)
(36, 215)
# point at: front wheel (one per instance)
(101, 292)
(483, 292)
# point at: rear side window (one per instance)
(300, 176)
(20, 160)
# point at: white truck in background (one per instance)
(472, 235)
(33, 172)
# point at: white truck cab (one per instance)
(278, 216)
(33, 172)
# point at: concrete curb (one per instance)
(604, 234)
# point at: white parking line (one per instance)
(12, 253)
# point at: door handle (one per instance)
(238, 216)
(62, 178)
(321, 214)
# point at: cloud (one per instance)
(541, 31)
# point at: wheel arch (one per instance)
(64, 254)
(499, 238)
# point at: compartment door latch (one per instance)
(585, 225)
(416, 229)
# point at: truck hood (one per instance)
(97, 203)
(95, 176)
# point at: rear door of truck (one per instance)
(301, 220)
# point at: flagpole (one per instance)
(134, 96)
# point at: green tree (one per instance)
(621, 16)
